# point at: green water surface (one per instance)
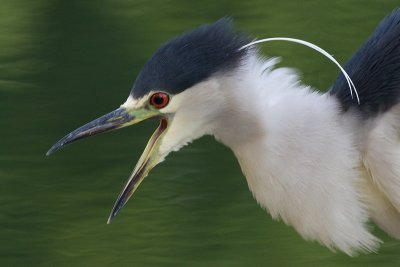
(63, 63)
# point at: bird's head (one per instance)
(180, 86)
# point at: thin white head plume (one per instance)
(316, 48)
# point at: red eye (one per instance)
(159, 100)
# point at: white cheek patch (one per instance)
(174, 103)
(191, 95)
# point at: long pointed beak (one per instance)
(117, 119)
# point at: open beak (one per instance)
(118, 119)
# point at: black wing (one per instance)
(375, 71)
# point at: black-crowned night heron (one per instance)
(324, 163)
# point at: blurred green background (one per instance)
(63, 63)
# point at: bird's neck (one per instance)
(259, 98)
(296, 149)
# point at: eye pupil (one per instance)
(159, 100)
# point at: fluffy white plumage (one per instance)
(306, 162)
